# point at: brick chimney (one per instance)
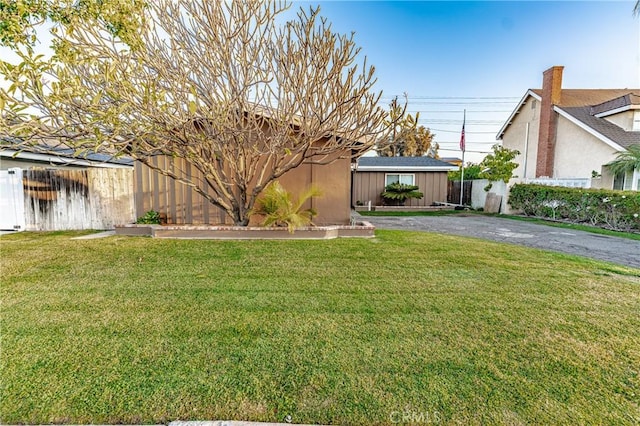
(551, 92)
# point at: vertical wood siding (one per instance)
(368, 186)
(77, 199)
(180, 204)
(177, 203)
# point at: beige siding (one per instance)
(368, 186)
(515, 137)
(153, 191)
(180, 204)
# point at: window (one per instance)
(618, 181)
(407, 179)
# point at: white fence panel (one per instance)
(11, 200)
(570, 183)
(59, 200)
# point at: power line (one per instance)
(454, 97)
(468, 150)
(458, 131)
(457, 111)
(463, 103)
(470, 122)
(469, 142)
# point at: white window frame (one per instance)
(412, 175)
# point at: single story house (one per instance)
(180, 204)
(568, 136)
(372, 174)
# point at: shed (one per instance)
(372, 174)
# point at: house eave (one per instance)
(516, 111)
(617, 110)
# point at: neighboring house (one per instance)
(568, 136)
(372, 174)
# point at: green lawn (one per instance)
(406, 326)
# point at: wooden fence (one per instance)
(453, 192)
(77, 199)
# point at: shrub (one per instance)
(281, 209)
(397, 193)
(471, 172)
(618, 210)
(151, 217)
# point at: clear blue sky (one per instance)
(487, 49)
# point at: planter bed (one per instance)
(213, 232)
(403, 208)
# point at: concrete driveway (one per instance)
(618, 250)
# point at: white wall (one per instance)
(479, 195)
(515, 137)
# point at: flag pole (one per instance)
(462, 147)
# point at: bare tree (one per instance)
(220, 84)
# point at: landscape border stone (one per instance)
(217, 232)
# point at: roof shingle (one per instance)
(404, 162)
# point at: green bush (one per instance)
(471, 172)
(397, 193)
(151, 217)
(280, 208)
(617, 210)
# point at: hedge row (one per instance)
(618, 210)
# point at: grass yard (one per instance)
(406, 327)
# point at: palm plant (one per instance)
(279, 207)
(397, 193)
(626, 161)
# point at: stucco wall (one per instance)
(578, 152)
(623, 119)
(515, 138)
(479, 195)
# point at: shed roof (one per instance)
(403, 164)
